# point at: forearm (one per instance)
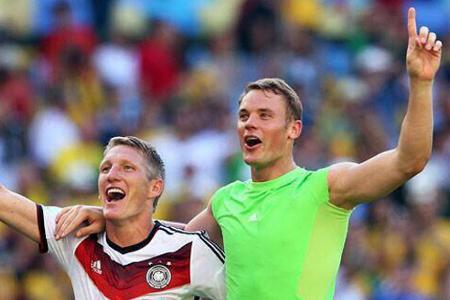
(416, 135)
(205, 221)
(19, 213)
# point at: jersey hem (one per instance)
(339, 209)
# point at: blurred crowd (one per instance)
(75, 73)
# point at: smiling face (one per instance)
(125, 187)
(266, 133)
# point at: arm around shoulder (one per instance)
(205, 221)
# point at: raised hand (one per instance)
(424, 51)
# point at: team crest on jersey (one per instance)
(158, 276)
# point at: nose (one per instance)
(113, 174)
(250, 122)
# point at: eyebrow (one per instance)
(103, 162)
(244, 110)
(265, 110)
(121, 161)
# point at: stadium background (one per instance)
(75, 73)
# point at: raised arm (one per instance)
(19, 213)
(351, 183)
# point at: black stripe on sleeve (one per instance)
(208, 240)
(217, 251)
(202, 234)
(165, 230)
(43, 246)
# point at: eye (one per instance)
(243, 117)
(128, 168)
(264, 115)
(104, 169)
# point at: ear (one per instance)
(295, 129)
(156, 188)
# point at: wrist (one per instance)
(419, 82)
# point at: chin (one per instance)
(249, 160)
(108, 216)
(111, 215)
(252, 161)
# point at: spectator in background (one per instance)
(17, 102)
(431, 237)
(65, 35)
(121, 78)
(51, 130)
(159, 63)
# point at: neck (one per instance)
(125, 235)
(272, 171)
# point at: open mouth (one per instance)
(252, 141)
(114, 194)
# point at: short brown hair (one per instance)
(155, 165)
(278, 86)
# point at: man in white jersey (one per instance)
(136, 257)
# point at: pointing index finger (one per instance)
(412, 28)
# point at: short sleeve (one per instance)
(318, 184)
(62, 249)
(207, 269)
(216, 202)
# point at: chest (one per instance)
(169, 271)
(267, 219)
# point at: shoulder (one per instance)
(312, 178)
(49, 211)
(226, 192)
(229, 188)
(63, 248)
(201, 243)
(177, 232)
(319, 176)
(46, 217)
(313, 183)
(338, 169)
(193, 236)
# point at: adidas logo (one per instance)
(96, 266)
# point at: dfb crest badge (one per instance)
(158, 276)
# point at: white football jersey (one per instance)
(169, 264)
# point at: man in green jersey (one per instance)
(283, 231)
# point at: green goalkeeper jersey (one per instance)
(283, 239)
